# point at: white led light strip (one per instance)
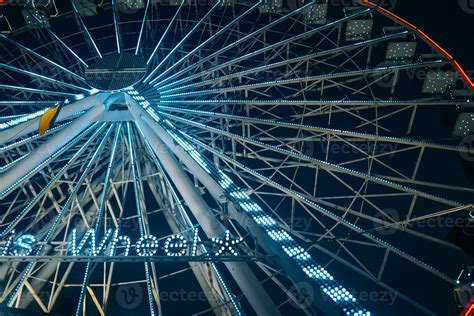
(323, 278)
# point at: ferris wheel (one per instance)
(230, 158)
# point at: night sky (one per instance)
(447, 22)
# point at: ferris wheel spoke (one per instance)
(281, 45)
(52, 229)
(17, 104)
(317, 129)
(40, 23)
(327, 213)
(44, 78)
(180, 43)
(373, 71)
(236, 43)
(321, 164)
(32, 52)
(13, 161)
(155, 50)
(39, 91)
(118, 38)
(209, 40)
(141, 220)
(142, 28)
(47, 152)
(377, 280)
(324, 201)
(98, 217)
(217, 296)
(51, 183)
(427, 184)
(85, 29)
(380, 222)
(284, 63)
(318, 103)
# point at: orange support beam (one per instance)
(469, 82)
(468, 309)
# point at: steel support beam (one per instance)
(68, 111)
(43, 152)
(164, 143)
(241, 272)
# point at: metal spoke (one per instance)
(256, 152)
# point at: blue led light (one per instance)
(150, 240)
(21, 119)
(196, 238)
(50, 231)
(288, 245)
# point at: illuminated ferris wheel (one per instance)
(228, 157)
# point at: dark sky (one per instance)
(446, 22)
(449, 23)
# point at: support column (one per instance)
(66, 112)
(198, 268)
(240, 271)
(321, 301)
(43, 152)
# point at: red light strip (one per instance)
(469, 82)
(469, 309)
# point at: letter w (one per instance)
(95, 250)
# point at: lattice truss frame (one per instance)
(238, 104)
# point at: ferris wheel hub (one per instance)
(115, 72)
